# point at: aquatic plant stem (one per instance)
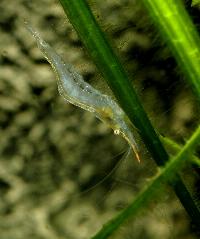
(175, 147)
(180, 34)
(166, 174)
(94, 40)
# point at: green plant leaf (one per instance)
(180, 34)
(176, 148)
(154, 187)
(109, 65)
(195, 2)
(95, 41)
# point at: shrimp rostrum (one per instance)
(78, 92)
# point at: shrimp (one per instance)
(76, 91)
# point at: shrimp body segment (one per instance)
(78, 92)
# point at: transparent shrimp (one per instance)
(78, 92)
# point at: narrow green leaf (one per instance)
(95, 41)
(177, 147)
(180, 34)
(195, 2)
(153, 188)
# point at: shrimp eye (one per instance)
(116, 131)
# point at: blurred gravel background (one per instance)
(52, 153)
